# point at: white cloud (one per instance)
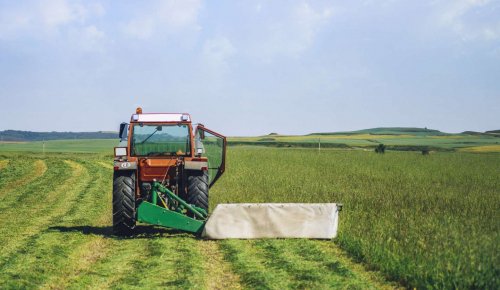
(217, 53)
(63, 21)
(309, 22)
(169, 16)
(91, 38)
(56, 12)
(41, 18)
(140, 28)
(218, 50)
(455, 16)
(291, 34)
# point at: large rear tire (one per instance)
(197, 187)
(123, 202)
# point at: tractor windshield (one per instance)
(158, 140)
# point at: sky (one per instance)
(251, 67)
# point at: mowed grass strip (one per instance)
(76, 250)
(107, 165)
(118, 262)
(32, 253)
(155, 259)
(84, 228)
(296, 264)
(254, 269)
(217, 271)
(26, 204)
(3, 163)
(18, 173)
(166, 262)
(329, 249)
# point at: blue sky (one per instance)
(251, 67)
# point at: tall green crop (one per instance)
(426, 221)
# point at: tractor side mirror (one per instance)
(123, 131)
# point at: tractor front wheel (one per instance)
(197, 187)
(123, 202)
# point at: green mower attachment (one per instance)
(175, 212)
(241, 221)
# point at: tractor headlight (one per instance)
(120, 151)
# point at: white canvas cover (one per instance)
(272, 220)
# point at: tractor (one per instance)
(163, 171)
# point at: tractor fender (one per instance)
(196, 165)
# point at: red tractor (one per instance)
(163, 170)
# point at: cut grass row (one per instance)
(296, 264)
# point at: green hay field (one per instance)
(408, 221)
(405, 141)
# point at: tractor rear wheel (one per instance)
(123, 202)
(197, 189)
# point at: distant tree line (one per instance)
(14, 135)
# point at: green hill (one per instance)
(390, 131)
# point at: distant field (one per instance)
(78, 146)
(364, 140)
(484, 148)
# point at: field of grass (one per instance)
(59, 236)
(484, 148)
(421, 221)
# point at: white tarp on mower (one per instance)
(272, 220)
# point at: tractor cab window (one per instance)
(160, 140)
